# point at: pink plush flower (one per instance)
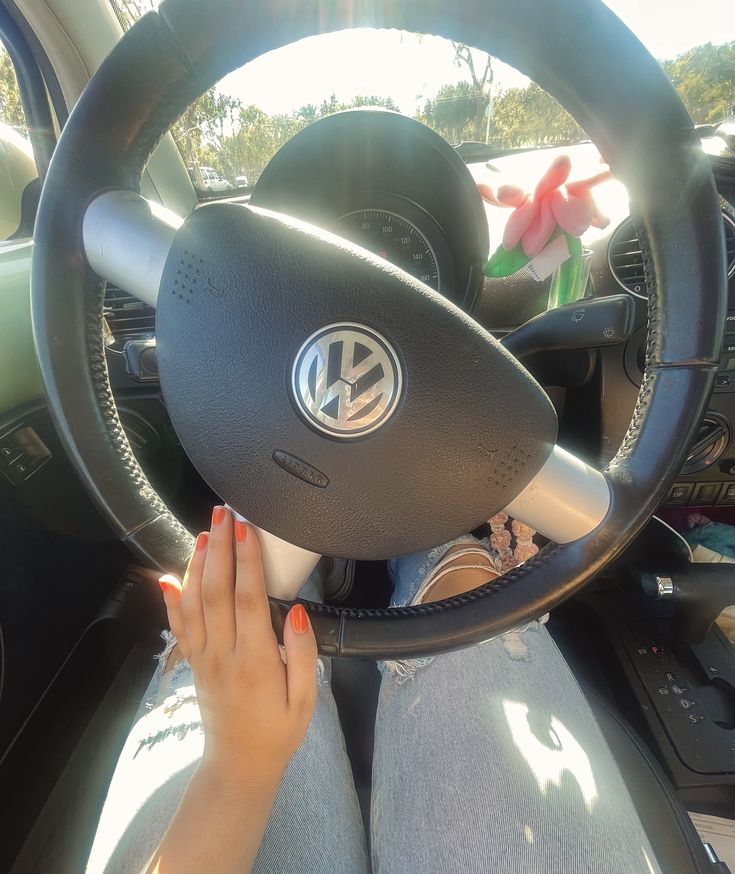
(524, 551)
(498, 520)
(521, 530)
(553, 203)
(500, 539)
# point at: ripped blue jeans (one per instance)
(486, 760)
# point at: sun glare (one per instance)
(550, 760)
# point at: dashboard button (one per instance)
(727, 495)
(9, 452)
(723, 379)
(680, 494)
(729, 344)
(705, 494)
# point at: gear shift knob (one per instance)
(701, 592)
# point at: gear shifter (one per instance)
(701, 592)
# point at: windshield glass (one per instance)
(228, 136)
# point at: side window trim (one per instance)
(32, 89)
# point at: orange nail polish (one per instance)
(202, 540)
(299, 619)
(241, 531)
(218, 515)
(164, 586)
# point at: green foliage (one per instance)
(11, 111)
(219, 131)
(705, 79)
(453, 111)
(531, 117)
(254, 136)
(204, 126)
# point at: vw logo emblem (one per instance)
(347, 380)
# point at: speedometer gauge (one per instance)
(394, 238)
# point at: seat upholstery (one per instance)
(675, 842)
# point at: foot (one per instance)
(464, 567)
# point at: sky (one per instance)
(411, 68)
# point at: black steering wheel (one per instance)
(333, 400)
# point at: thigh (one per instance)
(315, 825)
(489, 759)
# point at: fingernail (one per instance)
(202, 540)
(299, 619)
(218, 514)
(241, 531)
(164, 584)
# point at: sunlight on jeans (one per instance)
(549, 760)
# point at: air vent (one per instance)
(713, 438)
(626, 259)
(128, 317)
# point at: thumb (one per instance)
(301, 654)
(171, 588)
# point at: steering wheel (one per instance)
(337, 403)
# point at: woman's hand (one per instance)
(255, 709)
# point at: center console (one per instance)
(668, 665)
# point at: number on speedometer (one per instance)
(394, 238)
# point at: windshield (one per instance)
(228, 136)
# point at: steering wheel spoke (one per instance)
(127, 240)
(566, 500)
(286, 565)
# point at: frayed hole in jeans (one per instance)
(515, 646)
(169, 642)
(321, 677)
(405, 669)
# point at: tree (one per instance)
(705, 79)
(204, 126)
(452, 111)
(129, 11)
(11, 110)
(531, 117)
(256, 136)
(331, 106)
(481, 85)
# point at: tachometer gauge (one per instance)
(394, 238)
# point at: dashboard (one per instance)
(389, 184)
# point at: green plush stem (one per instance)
(575, 244)
(504, 262)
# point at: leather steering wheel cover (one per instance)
(579, 52)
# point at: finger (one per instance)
(252, 614)
(218, 583)
(171, 588)
(301, 655)
(191, 596)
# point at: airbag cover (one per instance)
(403, 423)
